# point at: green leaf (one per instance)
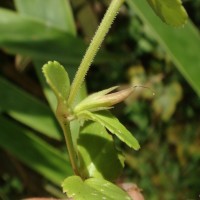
(58, 79)
(74, 125)
(63, 20)
(97, 153)
(110, 122)
(93, 188)
(32, 37)
(34, 152)
(26, 109)
(182, 45)
(165, 104)
(21, 34)
(170, 11)
(54, 13)
(86, 13)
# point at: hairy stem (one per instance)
(94, 47)
(70, 147)
(62, 115)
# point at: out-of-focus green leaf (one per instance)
(86, 14)
(31, 37)
(93, 188)
(60, 18)
(97, 153)
(42, 10)
(175, 135)
(27, 109)
(110, 122)
(136, 111)
(170, 11)
(54, 13)
(165, 104)
(58, 79)
(182, 44)
(34, 152)
(35, 13)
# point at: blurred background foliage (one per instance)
(139, 50)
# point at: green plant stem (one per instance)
(62, 115)
(70, 147)
(94, 47)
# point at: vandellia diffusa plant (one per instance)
(94, 158)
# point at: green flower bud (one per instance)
(103, 100)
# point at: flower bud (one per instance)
(103, 100)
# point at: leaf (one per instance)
(62, 9)
(34, 38)
(28, 110)
(33, 151)
(110, 122)
(61, 18)
(97, 153)
(165, 104)
(186, 59)
(93, 188)
(58, 79)
(21, 34)
(54, 13)
(74, 125)
(86, 13)
(170, 11)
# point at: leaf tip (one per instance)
(47, 65)
(137, 147)
(134, 144)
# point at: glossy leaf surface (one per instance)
(97, 153)
(93, 188)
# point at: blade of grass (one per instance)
(33, 151)
(27, 109)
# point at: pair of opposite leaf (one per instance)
(94, 107)
(170, 11)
